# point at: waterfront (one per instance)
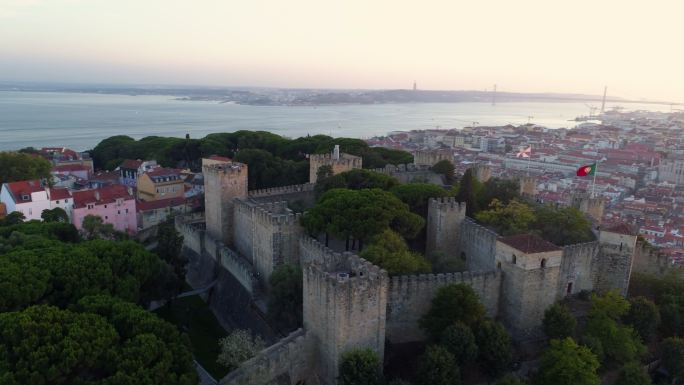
(80, 120)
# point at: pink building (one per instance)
(114, 204)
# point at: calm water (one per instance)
(80, 121)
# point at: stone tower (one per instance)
(612, 266)
(483, 172)
(592, 206)
(444, 219)
(528, 186)
(223, 182)
(339, 162)
(531, 268)
(344, 309)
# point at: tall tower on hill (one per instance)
(339, 162)
(345, 309)
(223, 182)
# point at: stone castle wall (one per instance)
(407, 173)
(345, 304)
(289, 360)
(576, 271)
(222, 183)
(410, 297)
(612, 267)
(345, 162)
(650, 260)
(267, 234)
(303, 193)
(478, 245)
(444, 219)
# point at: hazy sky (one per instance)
(633, 46)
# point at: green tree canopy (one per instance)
(357, 179)
(285, 299)
(643, 316)
(672, 353)
(495, 347)
(503, 190)
(633, 373)
(17, 166)
(169, 246)
(513, 218)
(54, 215)
(45, 345)
(566, 363)
(558, 322)
(389, 251)
(618, 343)
(361, 214)
(467, 190)
(438, 367)
(360, 367)
(453, 303)
(510, 380)
(562, 226)
(446, 169)
(93, 227)
(459, 340)
(417, 195)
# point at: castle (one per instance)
(349, 302)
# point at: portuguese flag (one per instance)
(589, 169)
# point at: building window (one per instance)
(58, 202)
(105, 206)
(106, 217)
(119, 212)
(569, 289)
(514, 260)
(543, 263)
(126, 211)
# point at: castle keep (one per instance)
(351, 303)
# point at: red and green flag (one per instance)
(589, 169)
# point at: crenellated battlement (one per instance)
(283, 190)
(313, 252)
(447, 204)
(404, 284)
(344, 159)
(224, 168)
(400, 168)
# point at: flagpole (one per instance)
(593, 184)
(529, 157)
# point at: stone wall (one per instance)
(290, 360)
(407, 173)
(344, 308)
(576, 272)
(649, 260)
(612, 267)
(267, 234)
(222, 183)
(410, 298)
(444, 219)
(345, 162)
(303, 193)
(478, 244)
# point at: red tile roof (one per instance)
(131, 164)
(59, 193)
(529, 243)
(25, 187)
(107, 194)
(158, 204)
(164, 171)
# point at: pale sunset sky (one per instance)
(632, 46)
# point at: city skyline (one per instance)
(530, 46)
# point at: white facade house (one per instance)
(27, 197)
(31, 198)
